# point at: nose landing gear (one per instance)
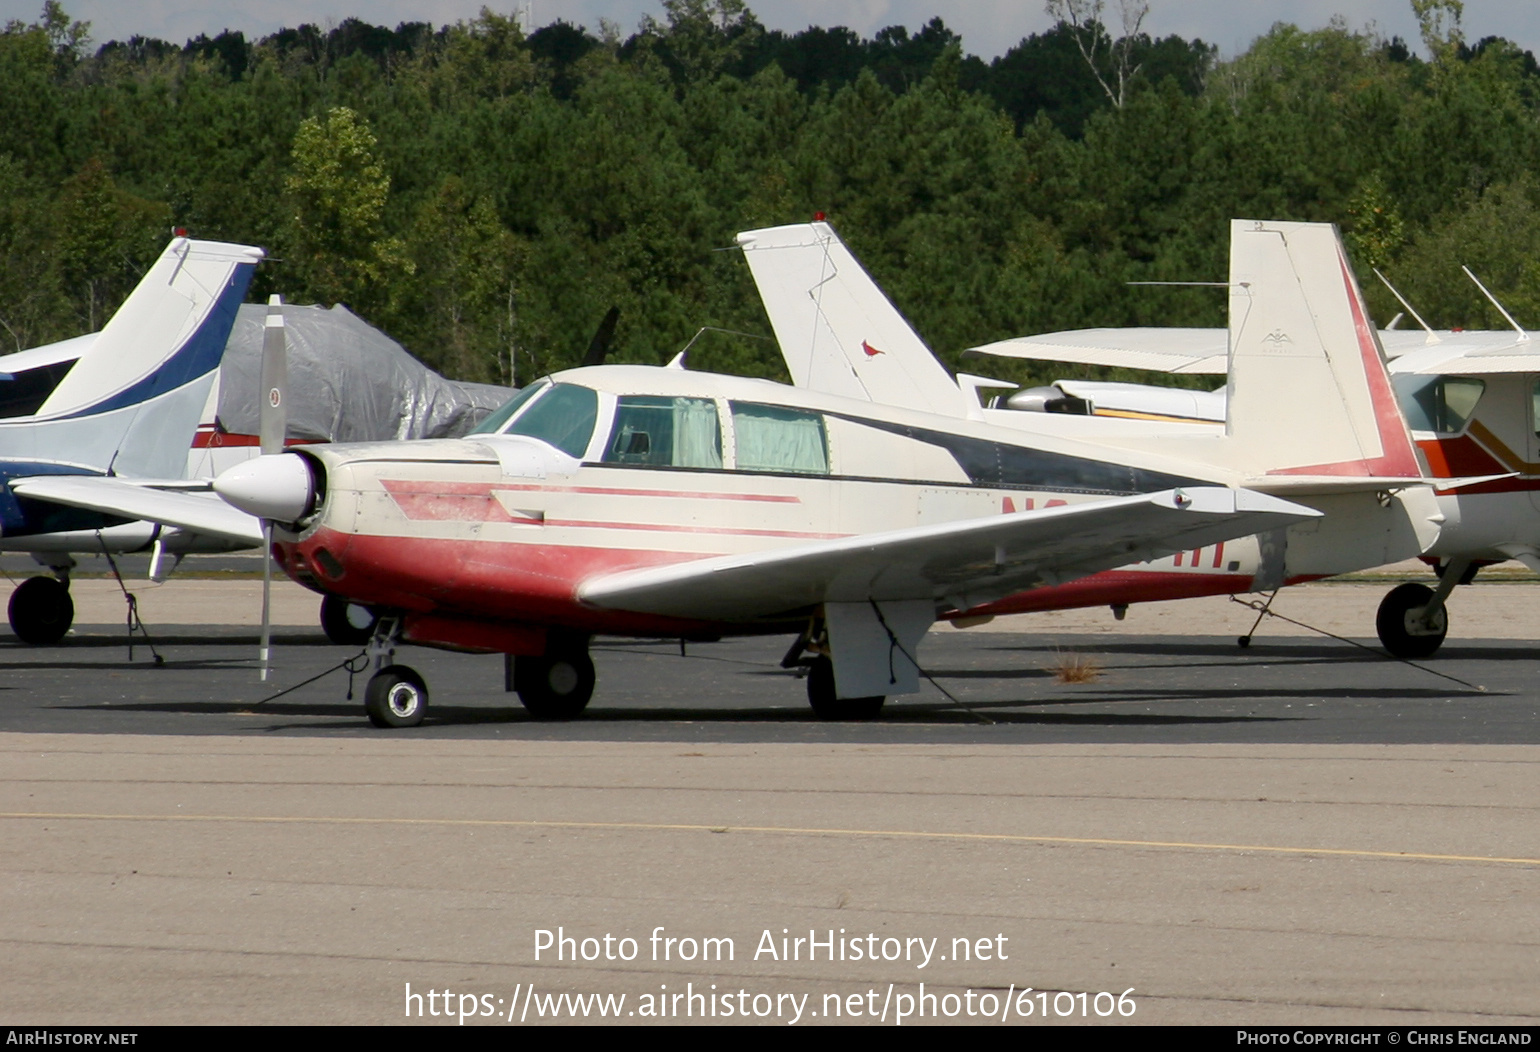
(397, 695)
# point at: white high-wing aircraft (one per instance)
(92, 440)
(1472, 400)
(651, 502)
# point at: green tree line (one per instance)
(486, 195)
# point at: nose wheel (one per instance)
(396, 697)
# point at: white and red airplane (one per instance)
(1471, 398)
(651, 502)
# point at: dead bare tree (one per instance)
(1084, 19)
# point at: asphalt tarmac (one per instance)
(1302, 832)
(1001, 688)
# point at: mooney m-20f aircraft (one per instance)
(1472, 400)
(653, 502)
(93, 442)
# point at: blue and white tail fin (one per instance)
(130, 405)
(838, 333)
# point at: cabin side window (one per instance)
(665, 432)
(563, 416)
(773, 438)
(1441, 404)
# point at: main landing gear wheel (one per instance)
(41, 611)
(396, 697)
(826, 706)
(1401, 626)
(345, 623)
(554, 686)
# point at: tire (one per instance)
(396, 697)
(338, 622)
(554, 686)
(1399, 623)
(827, 706)
(41, 611)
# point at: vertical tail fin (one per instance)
(838, 333)
(131, 403)
(1308, 391)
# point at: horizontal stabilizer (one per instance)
(196, 513)
(957, 564)
(1161, 350)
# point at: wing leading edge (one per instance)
(957, 564)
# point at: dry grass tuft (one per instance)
(1073, 667)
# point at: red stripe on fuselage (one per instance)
(1462, 455)
(615, 491)
(429, 500)
(668, 527)
(432, 486)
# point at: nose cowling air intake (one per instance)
(278, 488)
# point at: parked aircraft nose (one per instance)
(278, 488)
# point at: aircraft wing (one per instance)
(197, 513)
(956, 564)
(1162, 350)
(1472, 353)
(1175, 350)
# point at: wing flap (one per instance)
(957, 564)
(206, 515)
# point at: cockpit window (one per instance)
(564, 416)
(503, 413)
(773, 438)
(665, 432)
(1441, 404)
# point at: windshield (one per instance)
(1441, 404)
(564, 416)
(494, 423)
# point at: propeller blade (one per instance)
(274, 412)
(599, 347)
(265, 649)
(273, 426)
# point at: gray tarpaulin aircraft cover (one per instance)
(348, 382)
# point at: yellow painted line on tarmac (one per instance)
(912, 834)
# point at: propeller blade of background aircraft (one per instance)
(604, 335)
